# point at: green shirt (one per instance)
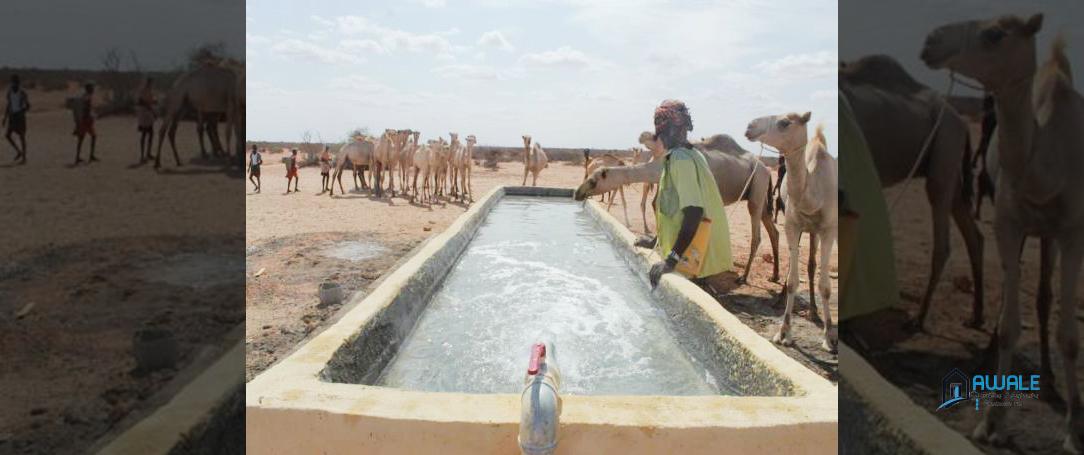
(687, 182)
(871, 281)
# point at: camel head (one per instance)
(648, 139)
(416, 134)
(471, 140)
(526, 142)
(600, 181)
(784, 132)
(994, 52)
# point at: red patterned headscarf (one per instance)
(672, 114)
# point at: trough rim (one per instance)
(294, 384)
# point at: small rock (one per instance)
(37, 411)
(266, 327)
(432, 222)
(427, 229)
(25, 310)
(260, 272)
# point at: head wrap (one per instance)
(672, 114)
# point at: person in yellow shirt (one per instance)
(687, 195)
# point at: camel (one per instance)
(406, 158)
(453, 164)
(464, 163)
(438, 165)
(534, 160)
(210, 91)
(728, 167)
(896, 115)
(609, 160)
(383, 156)
(812, 193)
(359, 153)
(1039, 144)
(421, 161)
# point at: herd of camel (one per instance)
(444, 167)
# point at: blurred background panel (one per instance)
(121, 282)
(921, 293)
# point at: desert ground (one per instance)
(93, 253)
(294, 243)
(915, 362)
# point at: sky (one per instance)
(899, 29)
(571, 73)
(75, 34)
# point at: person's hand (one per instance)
(657, 270)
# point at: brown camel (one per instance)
(210, 91)
(360, 154)
(1040, 140)
(609, 160)
(897, 115)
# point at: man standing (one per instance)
(291, 171)
(254, 162)
(84, 123)
(15, 117)
(687, 196)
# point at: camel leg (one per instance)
(794, 235)
(811, 269)
(643, 206)
(1071, 246)
(1048, 254)
(173, 143)
(938, 259)
(625, 206)
(754, 241)
(1010, 239)
(534, 179)
(773, 238)
(973, 240)
(525, 170)
(827, 239)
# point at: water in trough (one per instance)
(536, 269)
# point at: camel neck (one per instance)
(649, 172)
(797, 174)
(1015, 126)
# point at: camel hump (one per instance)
(881, 71)
(1055, 73)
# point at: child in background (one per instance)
(325, 168)
(291, 171)
(254, 162)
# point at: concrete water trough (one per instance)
(432, 359)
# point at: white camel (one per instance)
(812, 192)
(1039, 192)
(453, 165)
(422, 161)
(897, 114)
(731, 168)
(534, 160)
(406, 159)
(383, 160)
(464, 163)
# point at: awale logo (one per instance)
(954, 388)
(991, 389)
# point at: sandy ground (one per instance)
(916, 362)
(92, 254)
(287, 236)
